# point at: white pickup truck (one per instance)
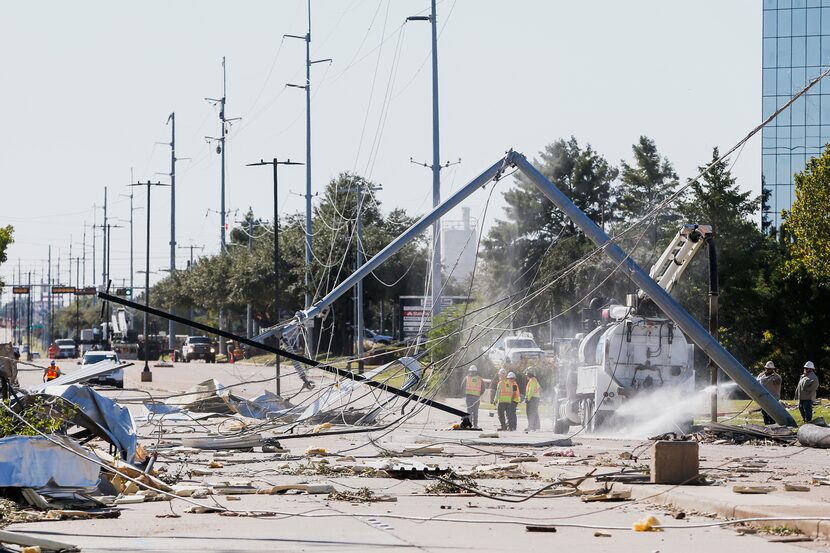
(515, 352)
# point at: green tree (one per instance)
(808, 223)
(536, 241)
(745, 258)
(645, 185)
(6, 239)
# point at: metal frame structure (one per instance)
(693, 329)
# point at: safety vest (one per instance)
(515, 396)
(52, 372)
(505, 392)
(473, 386)
(533, 389)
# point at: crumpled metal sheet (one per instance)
(333, 396)
(34, 462)
(115, 422)
(85, 372)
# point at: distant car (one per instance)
(373, 336)
(36, 355)
(515, 352)
(198, 347)
(66, 349)
(112, 378)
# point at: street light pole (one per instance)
(146, 375)
(277, 301)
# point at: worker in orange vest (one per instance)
(515, 399)
(503, 397)
(533, 393)
(51, 372)
(473, 389)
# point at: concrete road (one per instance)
(482, 524)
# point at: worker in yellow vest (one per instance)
(533, 393)
(51, 372)
(503, 398)
(515, 399)
(473, 389)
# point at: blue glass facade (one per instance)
(796, 44)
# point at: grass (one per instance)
(747, 411)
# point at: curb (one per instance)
(680, 498)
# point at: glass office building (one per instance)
(796, 47)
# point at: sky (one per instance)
(88, 87)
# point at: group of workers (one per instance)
(805, 390)
(506, 394)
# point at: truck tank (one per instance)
(629, 356)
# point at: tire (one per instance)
(561, 426)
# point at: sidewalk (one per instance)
(720, 500)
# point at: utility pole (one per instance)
(70, 261)
(94, 226)
(360, 188)
(308, 229)
(171, 326)
(104, 268)
(49, 275)
(277, 296)
(191, 247)
(132, 209)
(436, 165)
(146, 375)
(221, 150)
(29, 319)
(83, 254)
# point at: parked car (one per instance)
(112, 378)
(376, 338)
(66, 349)
(198, 347)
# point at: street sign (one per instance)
(88, 291)
(20, 290)
(63, 289)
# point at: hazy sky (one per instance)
(87, 88)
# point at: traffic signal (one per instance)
(126, 292)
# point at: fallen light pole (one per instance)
(693, 329)
(465, 421)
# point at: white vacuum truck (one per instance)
(628, 353)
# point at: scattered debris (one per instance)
(607, 496)
(360, 495)
(753, 489)
(796, 488)
(549, 529)
(647, 524)
(559, 452)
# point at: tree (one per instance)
(744, 258)
(645, 185)
(808, 223)
(6, 239)
(536, 240)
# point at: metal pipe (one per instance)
(288, 354)
(693, 329)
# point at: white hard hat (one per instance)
(769, 365)
(472, 369)
(511, 375)
(809, 365)
(502, 371)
